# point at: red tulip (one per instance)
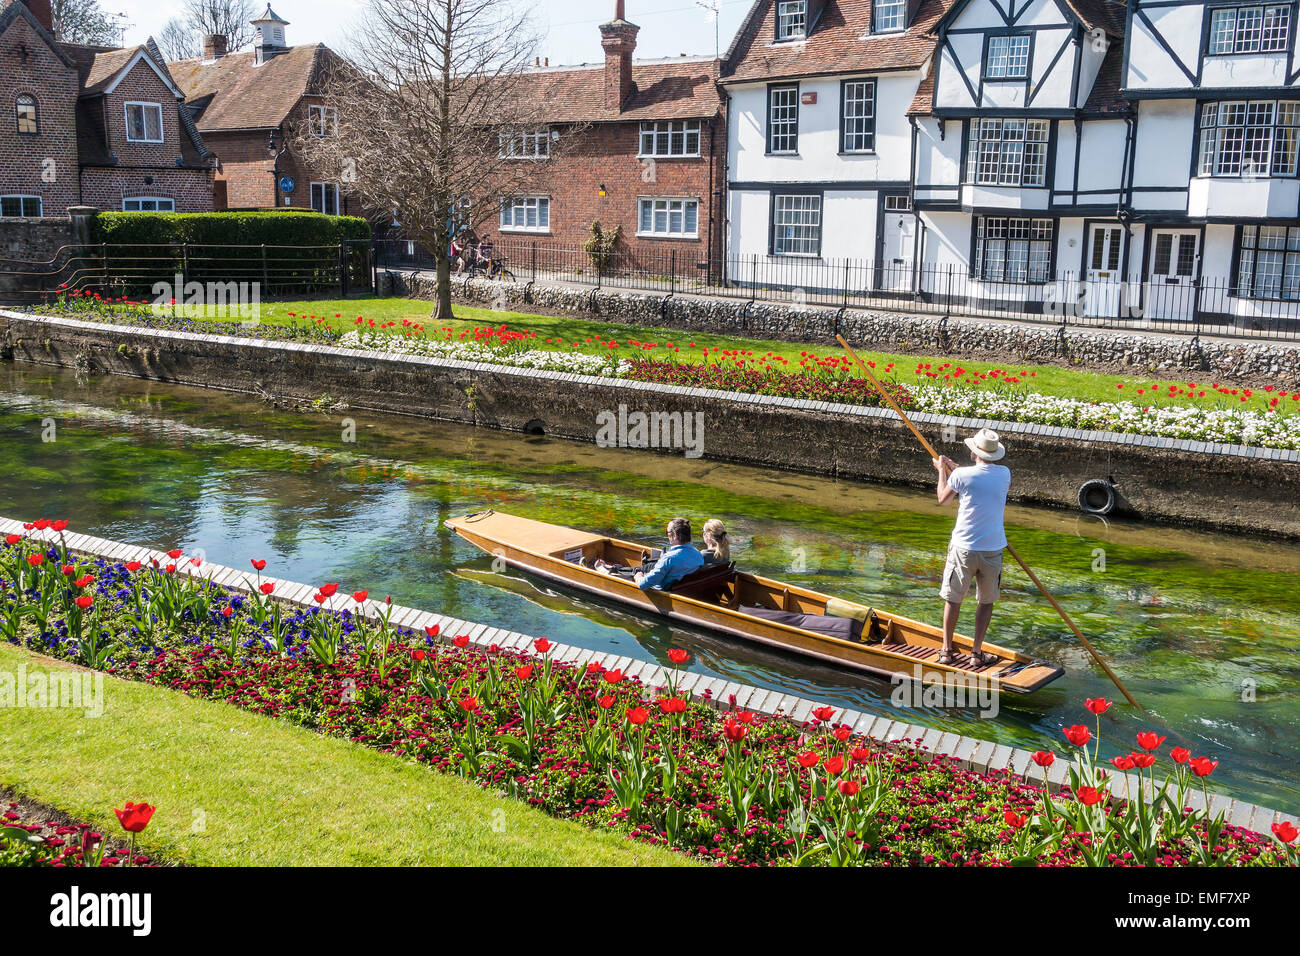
(525, 672)
(1122, 763)
(808, 759)
(267, 588)
(41, 524)
(1098, 705)
(834, 765)
(319, 598)
(1044, 758)
(613, 677)
(360, 596)
(13, 538)
(1203, 766)
(1014, 820)
(542, 645)
(847, 787)
(259, 564)
(175, 554)
(638, 716)
(133, 566)
(329, 590)
(678, 656)
(84, 581)
(470, 704)
(227, 611)
(170, 569)
(860, 755)
(1285, 831)
(59, 525)
(85, 601)
(135, 817)
(1142, 761)
(734, 732)
(418, 654)
(1148, 740)
(1179, 754)
(823, 714)
(841, 734)
(606, 702)
(68, 570)
(197, 562)
(36, 560)
(432, 630)
(1078, 735)
(594, 667)
(672, 705)
(461, 640)
(745, 716)
(1088, 796)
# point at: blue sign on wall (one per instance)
(287, 184)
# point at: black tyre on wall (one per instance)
(1097, 497)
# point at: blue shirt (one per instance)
(675, 563)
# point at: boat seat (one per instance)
(706, 584)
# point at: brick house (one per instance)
(650, 156)
(247, 106)
(93, 126)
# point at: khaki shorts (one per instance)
(984, 568)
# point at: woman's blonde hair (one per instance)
(713, 528)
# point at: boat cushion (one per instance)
(845, 628)
(704, 584)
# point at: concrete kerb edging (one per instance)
(862, 411)
(971, 753)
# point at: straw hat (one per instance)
(986, 445)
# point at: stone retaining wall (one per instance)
(1232, 488)
(1171, 356)
(981, 756)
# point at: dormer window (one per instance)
(792, 19)
(889, 16)
(1237, 30)
(144, 123)
(323, 120)
(1007, 58)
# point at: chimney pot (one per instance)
(215, 45)
(618, 38)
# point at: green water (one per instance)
(1202, 628)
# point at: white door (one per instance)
(1102, 293)
(898, 246)
(1171, 285)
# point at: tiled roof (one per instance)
(923, 101)
(841, 42)
(233, 92)
(13, 10)
(685, 88)
(1105, 96)
(1106, 15)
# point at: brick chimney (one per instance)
(618, 37)
(43, 11)
(215, 45)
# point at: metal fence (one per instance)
(146, 272)
(1207, 305)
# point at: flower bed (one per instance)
(32, 836)
(589, 744)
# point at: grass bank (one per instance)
(236, 789)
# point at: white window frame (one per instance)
(525, 144)
(1268, 263)
(791, 120)
(156, 200)
(23, 198)
(325, 193)
(792, 19)
(889, 16)
(866, 118)
(144, 106)
(669, 139)
(317, 117)
(810, 207)
(1008, 151)
(1014, 249)
(520, 206)
(662, 210)
(1249, 138)
(1248, 29)
(1008, 57)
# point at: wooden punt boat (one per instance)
(753, 608)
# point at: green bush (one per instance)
(229, 228)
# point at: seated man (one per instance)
(678, 561)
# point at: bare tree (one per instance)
(178, 41)
(428, 103)
(83, 21)
(230, 18)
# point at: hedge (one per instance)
(229, 228)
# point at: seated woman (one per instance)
(717, 547)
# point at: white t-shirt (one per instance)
(982, 491)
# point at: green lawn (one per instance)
(1045, 379)
(236, 789)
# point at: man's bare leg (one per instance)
(951, 611)
(983, 615)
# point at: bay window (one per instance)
(1011, 249)
(1007, 152)
(1249, 138)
